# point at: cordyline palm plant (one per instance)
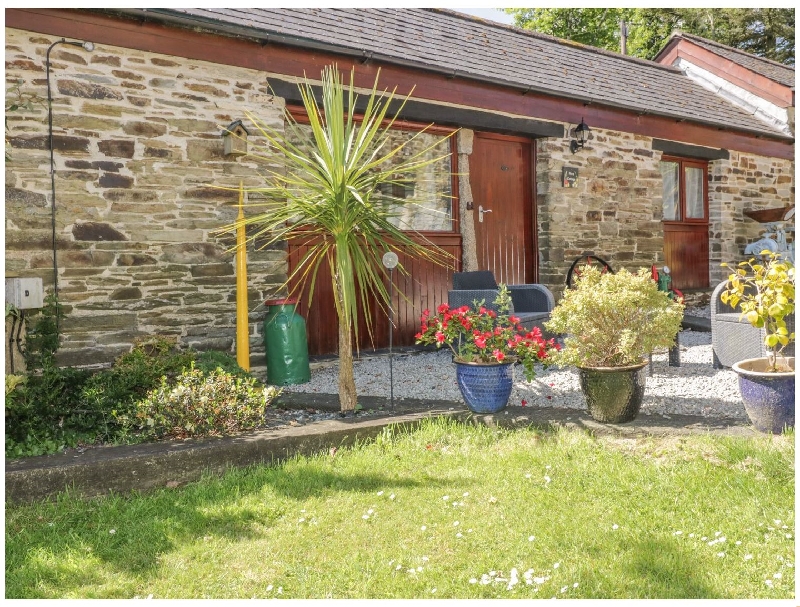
(330, 188)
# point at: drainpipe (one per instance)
(88, 46)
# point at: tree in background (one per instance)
(766, 32)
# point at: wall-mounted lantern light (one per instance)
(581, 135)
(235, 139)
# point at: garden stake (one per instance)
(390, 261)
(242, 329)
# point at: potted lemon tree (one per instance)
(764, 291)
(612, 323)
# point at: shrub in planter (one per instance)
(612, 323)
(199, 404)
(614, 320)
(764, 291)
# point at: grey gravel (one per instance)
(694, 388)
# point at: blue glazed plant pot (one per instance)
(485, 387)
(768, 397)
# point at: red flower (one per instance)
(524, 402)
(480, 342)
(442, 308)
(498, 355)
(440, 337)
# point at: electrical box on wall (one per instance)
(24, 293)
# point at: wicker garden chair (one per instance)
(733, 338)
(531, 303)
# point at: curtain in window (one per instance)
(670, 194)
(693, 176)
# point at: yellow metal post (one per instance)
(242, 326)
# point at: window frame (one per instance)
(298, 113)
(684, 163)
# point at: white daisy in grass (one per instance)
(747, 557)
(445, 498)
(615, 526)
(423, 528)
(531, 538)
(777, 576)
(380, 492)
(391, 497)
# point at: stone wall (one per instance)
(614, 212)
(138, 149)
(744, 182)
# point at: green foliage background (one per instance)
(766, 32)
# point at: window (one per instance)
(684, 190)
(429, 193)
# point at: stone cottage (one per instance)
(669, 166)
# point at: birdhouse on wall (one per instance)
(235, 139)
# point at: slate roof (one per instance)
(780, 73)
(448, 42)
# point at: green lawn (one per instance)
(450, 510)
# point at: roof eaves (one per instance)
(736, 50)
(251, 33)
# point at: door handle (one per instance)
(481, 211)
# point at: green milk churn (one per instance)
(285, 343)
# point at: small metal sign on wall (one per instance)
(569, 177)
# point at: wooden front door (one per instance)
(502, 190)
(685, 221)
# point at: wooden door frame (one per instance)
(684, 222)
(532, 227)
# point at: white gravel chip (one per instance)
(694, 388)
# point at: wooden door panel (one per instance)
(500, 177)
(686, 254)
(425, 286)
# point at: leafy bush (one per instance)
(213, 359)
(114, 392)
(614, 320)
(765, 289)
(62, 406)
(41, 334)
(199, 404)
